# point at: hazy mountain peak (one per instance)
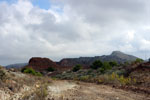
(117, 56)
(117, 53)
(122, 55)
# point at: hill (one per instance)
(18, 65)
(41, 64)
(117, 56)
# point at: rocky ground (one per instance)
(19, 86)
(69, 90)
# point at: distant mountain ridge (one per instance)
(117, 56)
(17, 65)
(38, 62)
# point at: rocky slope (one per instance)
(19, 86)
(86, 61)
(142, 74)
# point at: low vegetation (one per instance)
(100, 72)
(76, 68)
(3, 74)
(51, 69)
(97, 64)
(31, 71)
(138, 60)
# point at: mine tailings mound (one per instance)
(40, 64)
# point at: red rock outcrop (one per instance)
(40, 64)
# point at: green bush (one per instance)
(76, 68)
(138, 60)
(113, 63)
(102, 70)
(84, 78)
(96, 64)
(107, 66)
(50, 69)
(31, 71)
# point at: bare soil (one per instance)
(28, 85)
(69, 90)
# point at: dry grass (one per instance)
(16, 83)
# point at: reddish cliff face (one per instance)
(41, 63)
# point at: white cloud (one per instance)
(72, 28)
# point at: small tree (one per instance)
(138, 60)
(107, 66)
(76, 68)
(96, 64)
(113, 63)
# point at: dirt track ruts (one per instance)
(69, 90)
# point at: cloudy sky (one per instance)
(72, 28)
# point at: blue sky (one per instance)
(43, 4)
(8, 1)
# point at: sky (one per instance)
(72, 28)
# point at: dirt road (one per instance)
(68, 90)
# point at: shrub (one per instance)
(31, 71)
(106, 66)
(138, 60)
(41, 93)
(50, 69)
(84, 78)
(76, 68)
(120, 72)
(113, 63)
(121, 79)
(3, 74)
(96, 64)
(102, 70)
(89, 72)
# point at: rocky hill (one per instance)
(41, 63)
(117, 56)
